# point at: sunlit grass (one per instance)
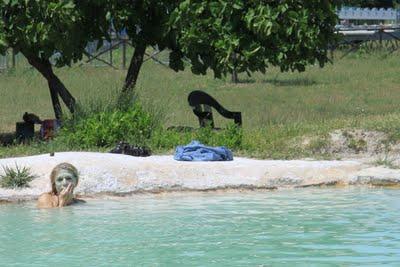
(356, 91)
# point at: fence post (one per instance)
(6, 59)
(13, 59)
(234, 71)
(111, 55)
(124, 54)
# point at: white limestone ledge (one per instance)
(115, 174)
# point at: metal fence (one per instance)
(5, 62)
(115, 54)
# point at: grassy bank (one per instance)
(278, 109)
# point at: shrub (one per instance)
(232, 136)
(169, 138)
(99, 124)
(16, 177)
(106, 128)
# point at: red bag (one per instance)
(49, 128)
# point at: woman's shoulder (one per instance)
(45, 196)
(47, 200)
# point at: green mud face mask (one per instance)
(63, 179)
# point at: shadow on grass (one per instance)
(10, 139)
(284, 82)
(7, 139)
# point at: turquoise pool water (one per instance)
(302, 227)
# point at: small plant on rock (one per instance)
(386, 161)
(318, 145)
(357, 145)
(16, 177)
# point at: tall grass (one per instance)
(103, 124)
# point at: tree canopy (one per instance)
(249, 36)
(227, 36)
(146, 23)
(41, 29)
(222, 35)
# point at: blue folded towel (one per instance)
(195, 151)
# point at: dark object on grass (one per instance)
(31, 118)
(127, 149)
(202, 102)
(7, 139)
(24, 131)
(49, 128)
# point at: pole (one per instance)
(13, 59)
(111, 55)
(234, 71)
(124, 55)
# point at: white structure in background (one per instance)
(368, 24)
(356, 13)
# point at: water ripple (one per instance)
(333, 227)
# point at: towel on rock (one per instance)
(195, 151)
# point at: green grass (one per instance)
(278, 109)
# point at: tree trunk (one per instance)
(65, 95)
(134, 68)
(56, 103)
(55, 85)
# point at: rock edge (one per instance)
(115, 174)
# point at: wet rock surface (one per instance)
(116, 174)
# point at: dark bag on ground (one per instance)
(127, 149)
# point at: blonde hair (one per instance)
(62, 166)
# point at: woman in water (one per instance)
(63, 179)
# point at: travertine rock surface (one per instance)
(114, 174)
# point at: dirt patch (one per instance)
(358, 141)
(349, 143)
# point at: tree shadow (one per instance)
(11, 139)
(291, 82)
(282, 82)
(7, 139)
(247, 80)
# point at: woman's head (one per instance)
(62, 175)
